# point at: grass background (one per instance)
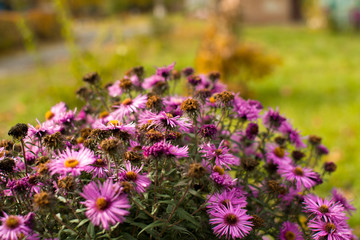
(317, 85)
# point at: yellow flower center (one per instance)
(279, 152)
(169, 115)
(103, 114)
(219, 170)
(131, 175)
(330, 227)
(212, 99)
(323, 209)
(102, 203)
(127, 101)
(298, 171)
(113, 123)
(12, 222)
(49, 115)
(71, 163)
(290, 235)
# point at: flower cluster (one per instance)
(136, 162)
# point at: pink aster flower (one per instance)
(117, 125)
(220, 154)
(324, 209)
(153, 81)
(272, 119)
(277, 155)
(338, 197)
(165, 71)
(235, 197)
(2, 153)
(13, 227)
(99, 168)
(130, 105)
(166, 120)
(230, 222)
(115, 89)
(132, 174)
(42, 129)
(290, 230)
(105, 203)
(330, 230)
(293, 134)
(222, 178)
(71, 161)
(302, 177)
(247, 110)
(164, 148)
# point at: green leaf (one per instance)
(182, 214)
(195, 193)
(149, 227)
(127, 236)
(82, 223)
(183, 231)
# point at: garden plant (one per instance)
(139, 162)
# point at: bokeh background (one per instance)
(300, 55)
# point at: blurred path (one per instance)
(85, 34)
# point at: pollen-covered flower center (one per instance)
(12, 222)
(115, 123)
(71, 163)
(298, 171)
(49, 115)
(290, 235)
(218, 152)
(330, 227)
(127, 101)
(104, 114)
(99, 162)
(324, 209)
(219, 170)
(169, 115)
(102, 203)
(131, 175)
(231, 219)
(279, 152)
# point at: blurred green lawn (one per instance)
(317, 86)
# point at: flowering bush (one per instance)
(137, 162)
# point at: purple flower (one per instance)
(252, 131)
(291, 231)
(324, 209)
(99, 168)
(219, 155)
(230, 222)
(188, 71)
(71, 161)
(330, 230)
(235, 197)
(322, 150)
(220, 177)
(166, 121)
(129, 106)
(13, 227)
(167, 149)
(208, 131)
(338, 197)
(48, 127)
(165, 71)
(272, 119)
(116, 125)
(105, 203)
(247, 110)
(302, 177)
(132, 174)
(293, 134)
(152, 81)
(277, 155)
